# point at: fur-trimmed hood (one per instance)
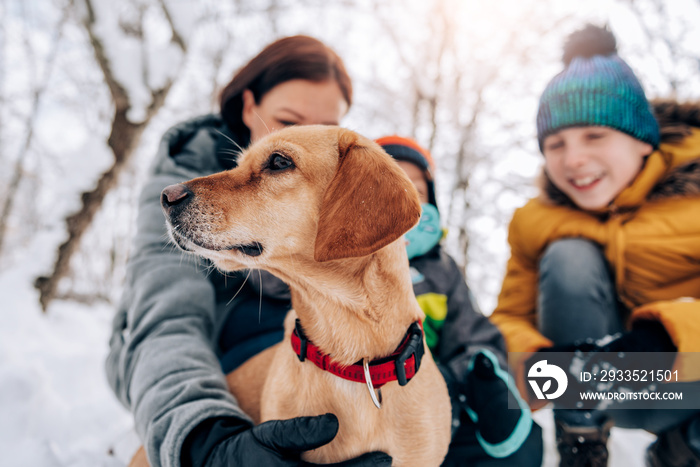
(677, 121)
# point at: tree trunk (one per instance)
(124, 138)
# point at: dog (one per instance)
(325, 209)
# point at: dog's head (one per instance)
(315, 193)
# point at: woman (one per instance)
(178, 330)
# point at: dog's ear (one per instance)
(369, 203)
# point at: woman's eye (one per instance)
(287, 123)
(279, 162)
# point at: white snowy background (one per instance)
(55, 113)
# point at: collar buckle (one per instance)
(303, 341)
(414, 346)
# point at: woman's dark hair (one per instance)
(295, 57)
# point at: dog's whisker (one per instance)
(260, 304)
(168, 243)
(236, 154)
(208, 270)
(213, 267)
(240, 288)
(185, 256)
(231, 140)
(230, 151)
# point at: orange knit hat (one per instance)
(407, 149)
(401, 154)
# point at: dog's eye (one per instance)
(279, 162)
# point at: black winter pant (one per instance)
(577, 300)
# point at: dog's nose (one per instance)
(175, 195)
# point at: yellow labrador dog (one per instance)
(325, 209)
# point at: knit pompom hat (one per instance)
(597, 88)
(406, 149)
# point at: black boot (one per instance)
(583, 445)
(671, 450)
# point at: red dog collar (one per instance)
(401, 366)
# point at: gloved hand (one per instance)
(502, 418)
(224, 442)
(645, 336)
(611, 354)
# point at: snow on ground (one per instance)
(56, 408)
(626, 447)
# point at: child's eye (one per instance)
(554, 145)
(595, 135)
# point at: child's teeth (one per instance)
(584, 181)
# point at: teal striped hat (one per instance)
(597, 88)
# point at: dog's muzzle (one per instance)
(174, 199)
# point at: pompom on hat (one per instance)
(597, 88)
(407, 149)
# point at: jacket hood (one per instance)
(679, 155)
(676, 120)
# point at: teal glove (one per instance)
(500, 430)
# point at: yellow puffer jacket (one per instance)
(650, 236)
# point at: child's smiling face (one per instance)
(593, 164)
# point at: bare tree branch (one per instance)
(18, 169)
(123, 140)
(177, 37)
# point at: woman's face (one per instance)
(295, 102)
(592, 164)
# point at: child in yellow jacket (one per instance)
(607, 258)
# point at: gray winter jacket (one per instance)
(163, 363)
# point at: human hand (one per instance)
(281, 442)
(645, 336)
(502, 418)
(610, 355)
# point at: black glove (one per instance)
(611, 354)
(645, 336)
(502, 418)
(223, 442)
